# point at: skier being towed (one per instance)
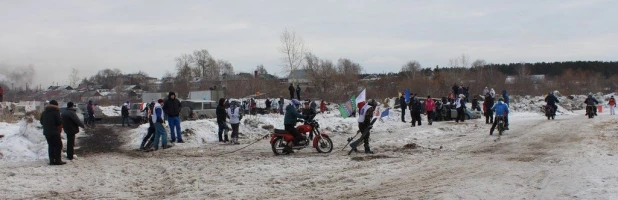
(364, 125)
(289, 121)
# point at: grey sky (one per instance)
(56, 36)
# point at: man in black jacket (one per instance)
(172, 107)
(71, 124)
(415, 109)
(291, 89)
(221, 120)
(404, 106)
(125, 113)
(52, 126)
(487, 105)
(149, 139)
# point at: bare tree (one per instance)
(453, 62)
(224, 67)
(293, 50)
(464, 61)
(261, 70)
(201, 59)
(479, 63)
(74, 77)
(411, 68)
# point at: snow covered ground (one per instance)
(111, 111)
(568, 158)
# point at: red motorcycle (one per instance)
(320, 141)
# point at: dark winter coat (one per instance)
(90, 108)
(591, 101)
(70, 121)
(462, 101)
(291, 89)
(460, 91)
(50, 119)
(298, 89)
(489, 102)
(505, 96)
(221, 114)
(309, 112)
(416, 106)
(475, 103)
(291, 115)
(172, 107)
(402, 102)
(268, 102)
(455, 89)
(551, 100)
(124, 111)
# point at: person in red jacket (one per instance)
(612, 106)
(430, 106)
(322, 106)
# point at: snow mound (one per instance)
(111, 111)
(22, 142)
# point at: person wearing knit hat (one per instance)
(52, 126)
(71, 124)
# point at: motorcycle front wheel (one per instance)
(325, 145)
(278, 145)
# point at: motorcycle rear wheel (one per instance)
(278, 145)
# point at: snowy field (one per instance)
(111, 111)
(571, 157)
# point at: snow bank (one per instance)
(22, 142)
(111, 111)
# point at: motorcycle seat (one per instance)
(280, 131)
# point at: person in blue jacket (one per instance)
(500, 109)
(289, 122)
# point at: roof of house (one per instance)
(299, 74)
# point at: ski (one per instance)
(365, 132)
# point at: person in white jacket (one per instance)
(233, 113)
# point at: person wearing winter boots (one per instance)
(125, 114)
(501, 110)
(172, 107)
(71, 124)
(221, 121)
(551, 100)
(591, 101)
(430, 106)
(612, 105)
(487, 105)
(233, 113)
(365, 115)
(52, 126)
(415, 109)
(291, 89)
(460, 105)
(289, 122)
(149, 138)
(157, 119)
(404, 105)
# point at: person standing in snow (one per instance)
(502, 110)
(291, 89)
(612, 105)
(172, 107)
(430, 106)
(157, 119)
(487, 105)
(125, 114)
(71, 124)
(268, 104)
(455, 89)
(298, 92)
(275, 105)
(281, 102)
(364, 122)
(221, 121)
(52, 126)
(467, 94)
(460, 90)
(149, 138)
(233, 113)
(451, 97)
(460, 105)
(475, 104)
(415, 111)
(90, 109)
(507, 102)
(322, 106)
(492, 92)
(404, 105)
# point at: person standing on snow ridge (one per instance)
(403, 104)
(149, 138)
(291, 89)
(289, 122)
(71, 124)
(460, 105)
(172, 107)
(487, 105)
(415, 111)
(364, 125)
(125, 114)
(501, 110)
(298, 92)
(52, 126)
(551, 101)
(157, 118)
(612, 105)
(234, 114)
(221, 121)
(430, 106)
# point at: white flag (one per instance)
(361, 97)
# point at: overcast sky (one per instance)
(381, 35)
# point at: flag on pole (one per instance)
(385, 113)
(361, 97)
(353, 102)
(407, 95)
(343, 111)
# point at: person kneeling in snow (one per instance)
(501, 110)
(289, 121)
